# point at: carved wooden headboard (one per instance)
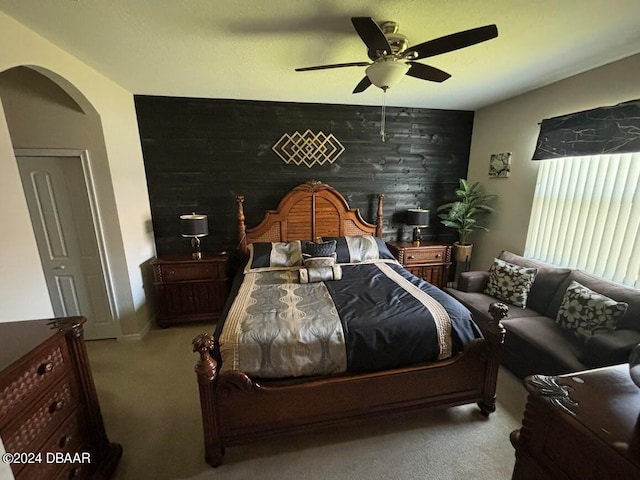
(311, 210)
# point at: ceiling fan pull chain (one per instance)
(383, 114)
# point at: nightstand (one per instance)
(190, 290)
(428, 260)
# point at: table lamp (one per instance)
(194, 226)
(417, 218)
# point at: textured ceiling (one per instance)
(249, 49)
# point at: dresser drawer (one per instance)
(29, 430)
(72, 471)
(65, 440)
(32, 377)
(414, 256)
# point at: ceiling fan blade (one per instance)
(427, 72)
(372, 36)
(454, 41)
(335, 65)
(363, 85)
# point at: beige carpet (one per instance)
(149, 400)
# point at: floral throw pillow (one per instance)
(585, 312)
(510, 283)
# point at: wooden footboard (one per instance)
(238, 410)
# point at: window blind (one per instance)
(586, 214)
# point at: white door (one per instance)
(62, 221)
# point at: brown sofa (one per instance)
(534, 342)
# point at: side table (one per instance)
(427, 260)
(190, 290)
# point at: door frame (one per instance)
(89, 184)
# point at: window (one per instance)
(586, 214)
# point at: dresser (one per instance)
(582, 426)
(190, 290)
(49, 411)
(427, 260)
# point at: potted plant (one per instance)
(463, 214)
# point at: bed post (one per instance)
(207, 371)
(379, 215)
(495, 337)
(242, 234)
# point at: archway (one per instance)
(49, 119)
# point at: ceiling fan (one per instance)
(392, 58)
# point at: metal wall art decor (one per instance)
(500, 165)
(308, 148)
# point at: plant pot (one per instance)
(462, 253)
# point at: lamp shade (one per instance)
(418, 217)
(194, 225)
(386, 73)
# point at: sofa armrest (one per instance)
(611, 348)
(475, 281)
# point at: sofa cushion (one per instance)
(611, 348)
(585, 313)
(509, 282)
(537, 344)
(478, 304)
(474, 281)
(615, 291)
(548, 280)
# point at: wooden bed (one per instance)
(237, 409)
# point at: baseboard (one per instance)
(135, 337)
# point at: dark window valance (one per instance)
(613, 129)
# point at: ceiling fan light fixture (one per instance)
(387, 73)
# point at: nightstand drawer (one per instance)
(421, 255)
(191, 271)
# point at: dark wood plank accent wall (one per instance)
(200, 153)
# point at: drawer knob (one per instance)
(45, 368)
(172, 272)
(64, 441)
(56, 406)
(438, 255)
(411, 257)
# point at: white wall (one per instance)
(513, 126)
(23, 291)
(130, 205)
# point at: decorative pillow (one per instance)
(322, 249)
(358, 248)
(312, 262)
(320, 274)
(510, 283)
(275, 254)
(585, 312)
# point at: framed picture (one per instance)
(500, 165)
